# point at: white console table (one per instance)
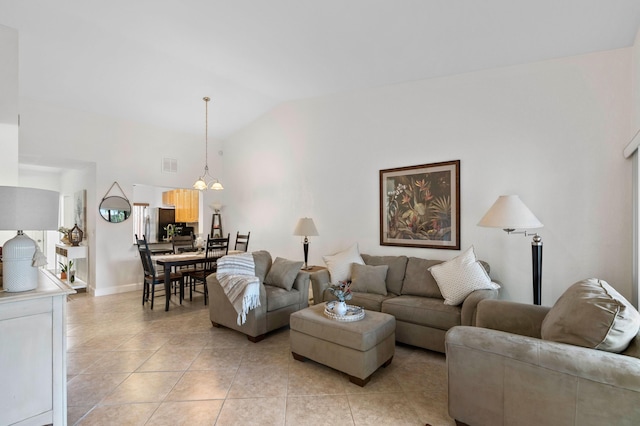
(72, 253)
(33, 353)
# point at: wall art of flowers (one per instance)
(420, 206)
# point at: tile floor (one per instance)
(128, 365)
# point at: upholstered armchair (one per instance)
(284, 289)
(508, 371)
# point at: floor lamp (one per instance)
(510, 213)
(305, 228)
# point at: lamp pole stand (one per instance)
(536, 257)
(305, 247)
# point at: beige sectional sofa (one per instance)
(412, 297)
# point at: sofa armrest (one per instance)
(302, 285)
(218, 298)
(320, 281)
(470, 305)
(591, 364)
(511, 317)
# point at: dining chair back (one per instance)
(215, 249)
(182, 243)
(151, 277)
(218, 247)
(140, 241)
(242, 241)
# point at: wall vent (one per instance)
(169, 165)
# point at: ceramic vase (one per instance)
(340, 308)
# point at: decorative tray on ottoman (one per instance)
(354, 313)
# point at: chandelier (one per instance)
(206, 181)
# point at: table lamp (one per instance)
(306, 228)
(23, 209)
(510, 213)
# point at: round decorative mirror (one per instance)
(115, 209)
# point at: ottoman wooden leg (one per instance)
(387, 362)
(256, 339)
(298, 357)
(358, 381)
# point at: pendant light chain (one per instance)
(205, 180)
(206, 132)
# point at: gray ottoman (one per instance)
(356, 348)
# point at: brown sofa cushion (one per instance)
(395, 275)
(592, 314)
(369, 279)
(418, 281)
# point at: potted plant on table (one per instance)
(65, 268)
(342, 291)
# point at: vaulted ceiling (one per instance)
(153, 60)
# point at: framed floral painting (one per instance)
(420, 206)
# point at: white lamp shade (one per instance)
(509, 212)
(24, 209)
(305, 228)
(28, 209)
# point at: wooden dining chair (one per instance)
(242, 242)
(182, 243)
(151, 277)
(140, 241)
(215, 249)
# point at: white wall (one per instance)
(8, 106)
(126, 152)
(635, 81)
(552, 132)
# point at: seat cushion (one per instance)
(283, 273)
(395, 275)
(423, 311)
(592, 314)
(278, 297)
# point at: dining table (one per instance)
(169, 261)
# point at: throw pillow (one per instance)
(262, 261)
(592, 314)
(283, 273)
(460, 276)
(395, 274)
(339, 264)
(369, 279)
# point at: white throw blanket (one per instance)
(236, 274)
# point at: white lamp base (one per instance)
(17, 258)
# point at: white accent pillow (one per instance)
(460, 276)
(339, 264)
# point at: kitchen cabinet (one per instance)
(186, 202)
(33, 353)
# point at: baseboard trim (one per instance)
(116, 290)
